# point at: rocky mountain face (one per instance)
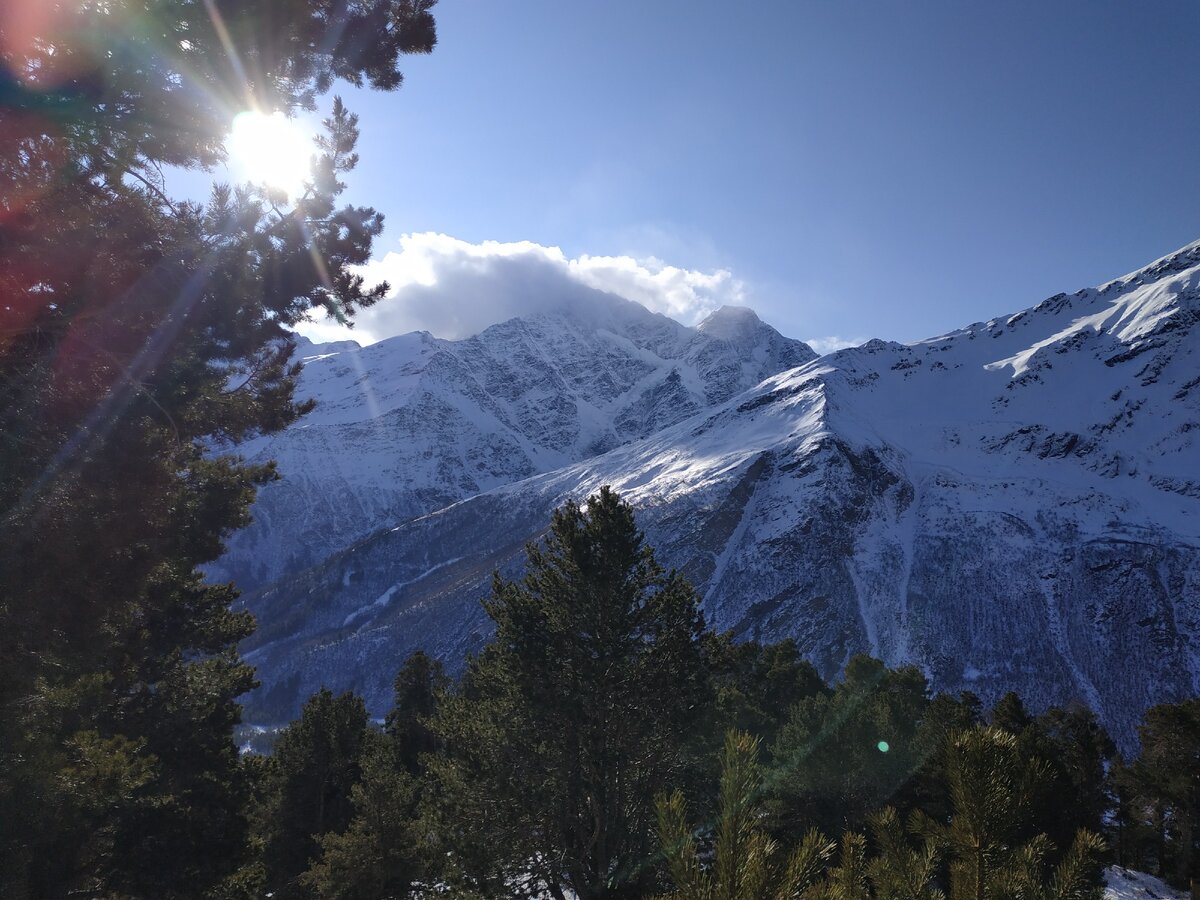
(412, 424)
(1014, 505)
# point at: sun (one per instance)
(270, 150)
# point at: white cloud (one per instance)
(823, 345)
(454, 289)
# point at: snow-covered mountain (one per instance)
(1014, 505)
(412, 424)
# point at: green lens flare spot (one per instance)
(883, 746)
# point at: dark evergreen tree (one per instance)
(1164, 782)
(979, 844)
(745, 863)
(136, 335)
(849, 879)
(387, 847)
(993, 786)
(944, 719)
(420, 684)
(847, 753)
(1137, 828)
(757, 685)
(382, 853)
(317, 762)
(1078, 753)
(1077, 876)
(1009, 714)
(577, 714)
(903, 869)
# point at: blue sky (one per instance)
(861, 169)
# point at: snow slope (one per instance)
(1014, 505)
(1126, 884)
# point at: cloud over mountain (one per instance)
(455, 289)
(833, 342)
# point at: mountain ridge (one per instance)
(1010, 506)
(410, 424)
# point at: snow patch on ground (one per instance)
(1126, 884)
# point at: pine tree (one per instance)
(387, 848)
(419, 685)
(1136, 825)
(757, 685)
(137, 334)
(1165, 778)
(381, 853)
(944, 719)
(1010, 714)
(993, 787)
(747, 863)
(1078, 753)
(581, 709)
(1077, 876)
(316, 763)
(902, 871)
(850, 878)
(844, 754)
(991, 790)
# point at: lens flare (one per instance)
(883, 746)
(270, 150)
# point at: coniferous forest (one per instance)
(605, 743)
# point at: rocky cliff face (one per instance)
(412, 424)
(1015, 505)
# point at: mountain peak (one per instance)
(728, 321)
(429, 421)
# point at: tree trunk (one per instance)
(1183, 867)
(1160, 832)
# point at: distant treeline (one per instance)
(607, 744)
